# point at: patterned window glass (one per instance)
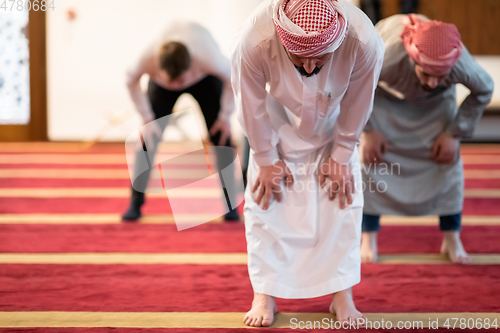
(14, 68)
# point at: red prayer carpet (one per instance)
(206, 287)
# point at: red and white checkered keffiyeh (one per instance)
(434, 45)
(310, 28)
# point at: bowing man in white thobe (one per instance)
(416, 127)
(304, 74)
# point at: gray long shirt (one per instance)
(411, 119)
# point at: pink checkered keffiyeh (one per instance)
(434, 45)
(310, 28)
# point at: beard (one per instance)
(303, 72)
(427, 88)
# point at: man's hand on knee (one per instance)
(151, 133)
(268, 182)
(373, 146)
(341, 181)
(224, 128)
(445, 148)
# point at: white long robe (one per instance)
(410, 182)
(304, 246)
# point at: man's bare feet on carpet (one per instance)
(343, 307)
(452, 246)
(369, 247)
(262, 311)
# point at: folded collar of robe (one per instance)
(310, 28)
(434, 45)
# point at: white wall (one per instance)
(88, 56)
(492, 65)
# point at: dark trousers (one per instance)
(207, 93)
(371, 9)
(371, 223)
(408, 6)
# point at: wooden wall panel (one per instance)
(38, 76)
(477, 20)
(389, 8)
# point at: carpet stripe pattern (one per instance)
(68, 263)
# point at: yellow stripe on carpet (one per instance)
(481, 159)
(100, 218)
(434, 220)
(209, 258)
(486, 193)
(196, 218)
(180, 159)
(105, 192)
(75, 147)
(92, 158)
(230, 319)
(437, 259)
(97, 173)
(194, 193)
(482, 174)
(172, 173)
(79, 147)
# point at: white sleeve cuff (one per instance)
(341, 154)
(225, 114)
(267, 158)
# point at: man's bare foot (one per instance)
(262, 311)
(343, 307)
(369, 252)
(452, 246)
